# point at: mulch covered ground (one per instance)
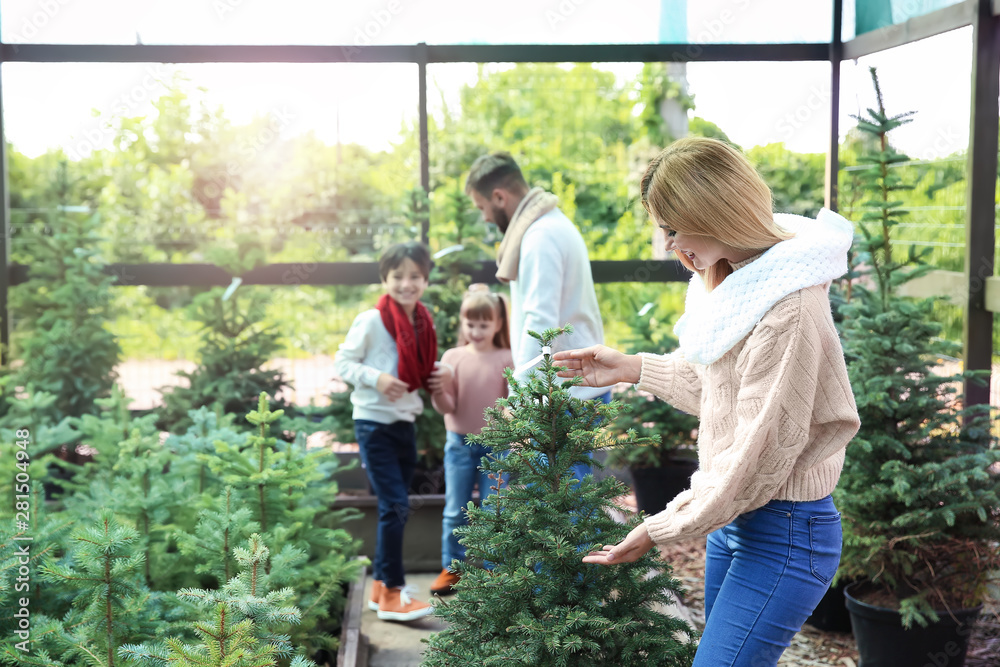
(813, 647)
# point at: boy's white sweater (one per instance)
(367, 352)
(554, 287)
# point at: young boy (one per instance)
(388, 354)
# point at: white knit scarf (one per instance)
(713, 322)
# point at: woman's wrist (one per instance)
(633, 369)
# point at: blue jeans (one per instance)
(461, 473)
(389, 453)
(764, 575)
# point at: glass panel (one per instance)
(406, 22)
(179, 160)
(587, 132)
(215, 163)
(574, 129)
(759, 21)
(936, 141)
(597, 125)
(758, 103)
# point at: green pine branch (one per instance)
(104, 572)
(248, 624)
(219, 527)
(288, 489)
(191, 448)
(63, 307)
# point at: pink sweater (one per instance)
(477, 384)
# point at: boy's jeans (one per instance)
(389, 453)
(461, 472)
(764, 575)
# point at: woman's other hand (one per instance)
(635, 545)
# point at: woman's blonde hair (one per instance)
(479, 303)
(705, 187)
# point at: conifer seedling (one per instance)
(525, 596)
(919, 492)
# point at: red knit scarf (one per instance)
(417, 349)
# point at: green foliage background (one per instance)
(184, 178)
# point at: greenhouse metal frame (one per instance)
(980, 287)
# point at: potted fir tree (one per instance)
(535, 602)
(660, 467)
(237, 343)
(920, 493)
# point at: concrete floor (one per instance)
(398, 644)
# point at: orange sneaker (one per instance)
(397, 605)
(442, 585)
(377, 588)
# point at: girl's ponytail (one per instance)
(502, 337)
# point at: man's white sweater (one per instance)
(554, 286)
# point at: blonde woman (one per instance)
(760, 363)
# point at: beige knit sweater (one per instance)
(776, 411)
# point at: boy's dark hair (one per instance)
(394, 256)
(496, 170)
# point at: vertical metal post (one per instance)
(981, 198)
(833, 148)
(425, 165)
(5, 238)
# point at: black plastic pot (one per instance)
(831, 613)
(655, 487)
(884, 642)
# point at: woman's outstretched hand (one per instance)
(599, 366)
(632, 548)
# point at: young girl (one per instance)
(761, 365)
(478, 363)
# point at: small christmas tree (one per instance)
(247, 627)
(235, 347)
(237, 343)
(111, 605)
(537, 603)
(289, 490)
(62, 310)
(919, 492)
(209, 544)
